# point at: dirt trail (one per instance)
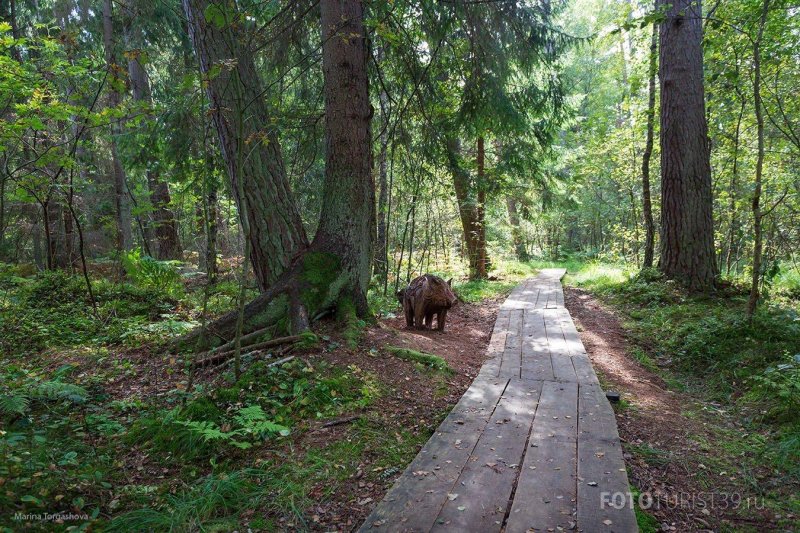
(670, 445)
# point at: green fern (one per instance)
(252, 422)
(18, 401)
(14, 404)
(57, 390)
(145, 271)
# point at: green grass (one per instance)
(476, 291)
(647, 523)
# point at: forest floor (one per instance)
(96, 420)
(690, 461)
(109, 434)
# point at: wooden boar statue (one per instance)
(424, 297)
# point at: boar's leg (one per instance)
(441, 317)
(419, 315)
(428, 320)
(409, 312)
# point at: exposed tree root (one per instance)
(216, 356)
(311, 288)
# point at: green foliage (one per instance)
(50, 460)
(712, 347)
(780, 385)
(52, 310)
(382, 305)
(21, 390)
(647, 523)
(476, 291)
(276, 399)
(209, 505)
(144, 271)
(422, 358)
(252, 423)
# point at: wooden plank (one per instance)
(571, 336)
(418, 494)
(583, 369)
(580, 360)
(558, 407)
(601, 469)
(555, 288)
(546, 490)
(535, 354)
(497, 344)
(560, 295)
(595, 416)
(484, 488)
(510, 367)
(544, 296)
(559, 353)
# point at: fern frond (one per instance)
(14, 404)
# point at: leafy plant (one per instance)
(252, 422)
(781, 384)
(148, 272)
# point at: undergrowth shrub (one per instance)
(145, 271)
(265, 403)
(50, 460)
(210, 504)
(52, 310)
(780, 384)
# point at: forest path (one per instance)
(531, 446)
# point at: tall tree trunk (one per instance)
(733, 185)
(758, 215)
(334, 270)
(347, 220)
(467, 208)
(647, 205)
(483, 260)
(687, 228)
(381, 261)
(12, 20)
(165, 230)
(212, 227)
(122, 205)
(516, 230)
(59, 245)
(276, 232)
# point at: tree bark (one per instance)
(733, 185)
(516, 230)
(381, 245)
(758, 215)
(647, 205)
(467, 207)
(347, 220)
(243, 123)
(687, 229)
(334, 270)
(165, 229)
(122, 205)
(212, 228)
(483, 260)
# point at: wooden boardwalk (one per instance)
(531, 446)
